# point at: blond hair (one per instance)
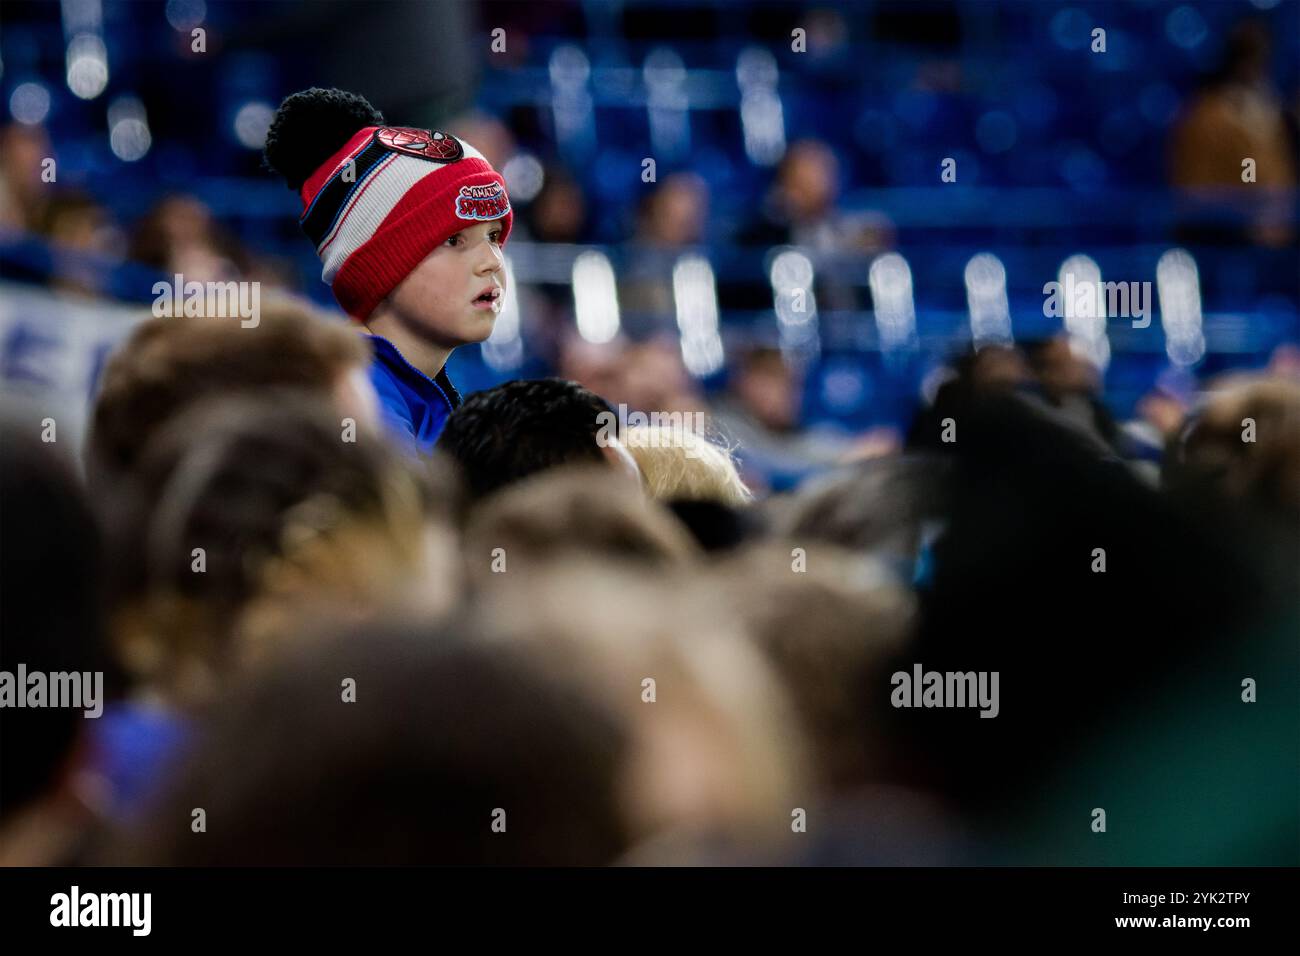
(679, 464)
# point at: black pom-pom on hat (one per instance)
(310, 127)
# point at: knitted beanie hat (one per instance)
(376, 199)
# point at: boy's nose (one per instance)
(490, 260)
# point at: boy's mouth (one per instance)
(489, 297)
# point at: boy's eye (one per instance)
(454, 241)
(495, 236)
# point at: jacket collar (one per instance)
(441, 384)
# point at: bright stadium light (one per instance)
(696, 299)
(667, 102)
(1085, 316)
(890, 280)
(128, 129)
(524, 176)
(252, 123)
(1179, 288)
(29, 103)
(571, 103)
(87, 66)
(986, 298)
(185, 15)
(595, 297)
(792, 276)
(569, 67)
(81, 16)
(762, 118)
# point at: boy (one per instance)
(409, 226)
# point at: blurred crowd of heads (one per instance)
(548, 644)
(618, 652)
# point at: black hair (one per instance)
(509, 432)
(717, 527)
(51, 614)
(310, 127)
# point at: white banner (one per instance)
(52, 351)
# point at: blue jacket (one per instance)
(414, 406)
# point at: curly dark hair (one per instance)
(509, 432)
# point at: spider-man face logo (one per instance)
(427, 144)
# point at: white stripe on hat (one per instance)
(384, 186)
(471, 152)
(353, 196)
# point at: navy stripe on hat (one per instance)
(324, 210)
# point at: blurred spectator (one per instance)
(503, 434)
(760, 415)
(717, 527)
(655, 378)
(1018, 589)
(79, 228)
(1245, 441)
(247, 515)
(558, 213)
(598, 366)
(179, 235)
(829, 631)
(168, 363)
(645, 376)
(1071, 384)
(51, 621)
(454, 749)
(717, 755)
(680, 465)
(671, 219)
(768, 389)
(674, 215)
(489, 135)
(1160, 416)
(23, 193)
(569, 512)
(1238, 116)
(889, 508)
(994, 369)
(801, 210)
(1284, 361)
(74, 220)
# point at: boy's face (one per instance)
(453, 297)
